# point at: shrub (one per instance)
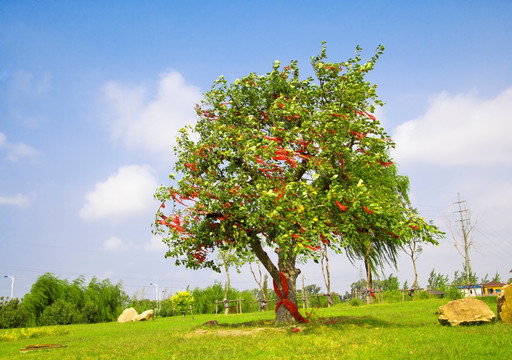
(182, 301)
(392, 296)
(90, 313)
(454, 294)
(355, 302)
(424, 295)
(61, 313)
(12, 314)
(165, 308)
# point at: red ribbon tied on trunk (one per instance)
(292, 308)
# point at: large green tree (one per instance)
(277, 165)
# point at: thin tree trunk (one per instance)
(260, 281)
(415, 283)
(468, 273)
(325, 272)
(368, 267)
(226, 267)
(226, 309)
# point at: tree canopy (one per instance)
(276, 163)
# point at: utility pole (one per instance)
(466, 228)
(12, 284)
(156, 295)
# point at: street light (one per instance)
(12, 283)
(156, 293)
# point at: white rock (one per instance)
(127, 315)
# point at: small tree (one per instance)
(182, 301)
(414, 249)
(462, 277)
(438, 281)
(262, 283)
(281, 164)
(312, 289)
(497, 277)
(12, 314)
(405, 286)
(390, 284)
(226, 260)
(61, 313)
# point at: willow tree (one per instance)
(277, 165)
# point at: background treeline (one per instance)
(204, 301)
(391, 291)
(54, 301)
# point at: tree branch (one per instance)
(255, 244)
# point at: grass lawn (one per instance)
(388, 331)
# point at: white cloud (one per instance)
(127, 193)
(18, 200)
(155, 244)
(15, 151)
(151, 124)
(459, 130)
(115, 244)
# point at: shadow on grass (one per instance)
(353, 320)
(255, 323)
(366, 321)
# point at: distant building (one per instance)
(492, 288)
(474, 290)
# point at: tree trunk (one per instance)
(326, 273)
(226, 308)
(415, 283)
(468, 273)
(368, 266)
(285, 265)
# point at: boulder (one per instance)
(146, 315)
(465, 312)
(127, 315)
(505, 304)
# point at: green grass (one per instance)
(398, 331)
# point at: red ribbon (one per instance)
(292, 308)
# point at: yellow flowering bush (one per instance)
(28, 333)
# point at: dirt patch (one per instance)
(234, 332)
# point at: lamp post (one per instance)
(156, 293)
(12, 284)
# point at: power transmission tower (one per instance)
(361, 272)
(466, 228)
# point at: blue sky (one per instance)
(92, 94)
